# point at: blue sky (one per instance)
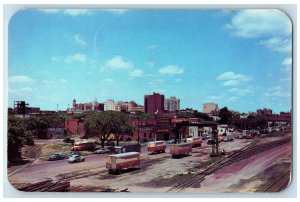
(236, 58)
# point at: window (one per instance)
(145, 135)
(150, 135)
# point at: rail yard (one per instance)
(261, 164)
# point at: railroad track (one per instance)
(47, 186)
(280, 184)
(246, 152)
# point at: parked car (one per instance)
(171, 141)
(239, 136)
(249, 137)
(69, 140)
(228, 139)
(75, 158)
(74, 153)
(57, 156)
(101, 151)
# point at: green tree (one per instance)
(203, 116)
(225, 116)
(17, 136)
(105, 123)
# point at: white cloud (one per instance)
(20, 79)
(277, 91)
(76, 12)
(152, 46)
(233, 99)
(118, 63)
(287, 64)
(231, 83)
(26, 89)
(50, 11)
(232, 79)
(76, 57)
(70, 12)
(240, 91)
(150, 64)
(55, 58)
(171, 69)
(216, 97)
(277, 44)
(109, 80)
(136, 73)
(251, 23)
(117, 11)
(79, 40)
(233, 76)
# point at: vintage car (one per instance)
(57, 156)
(75, 158)
(101, 151)
(156, 146)
(115, 163)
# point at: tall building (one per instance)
(264, 112)
(109, 105)
(172, 104)
(208, 108)
(154, 103)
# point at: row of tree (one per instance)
(251, 122)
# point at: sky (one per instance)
(236, 58)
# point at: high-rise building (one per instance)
(109, 105)
(154, 103)
(208, 108)
(172, 104)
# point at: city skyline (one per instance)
(227, 57)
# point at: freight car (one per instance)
(157, 146)
(115, 163)
(180, 150)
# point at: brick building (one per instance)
(154, 103)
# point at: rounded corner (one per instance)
(13, 186)
(283, 12)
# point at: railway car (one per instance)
(179, 150)
(157, 146)
(83, 145)
(196, 141)
(115, 163)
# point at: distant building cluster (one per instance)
(108, 105)
(153, 127)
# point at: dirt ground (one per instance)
(160, 172)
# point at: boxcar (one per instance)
(179, 150)
(157, 146)
(115, 163)
(196, 141)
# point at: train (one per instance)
(83, 145)
(115, 163)
(196, 141)
(179, 150)
(157, 146)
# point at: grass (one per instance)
(50, 149)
